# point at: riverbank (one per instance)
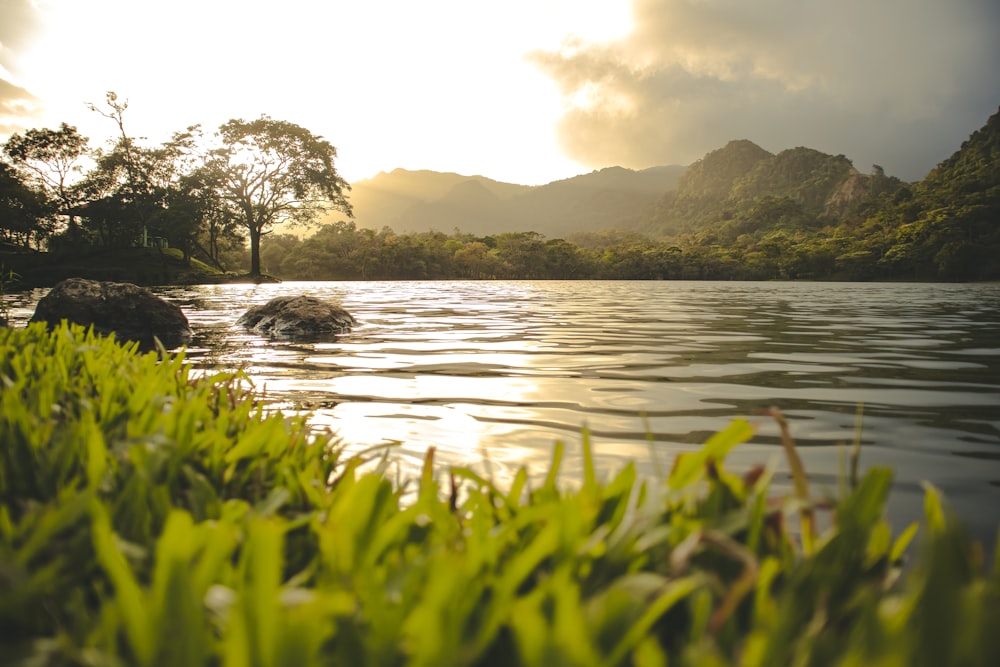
(140, 266)
(148, 516)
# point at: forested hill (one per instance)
(951, 219)
(743, 212)
(730, 181)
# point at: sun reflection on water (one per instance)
(491, 374)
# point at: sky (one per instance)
(522, 91)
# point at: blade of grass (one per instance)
(801, 483)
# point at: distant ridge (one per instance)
(661, 202)
(415, 201)
(427, 185)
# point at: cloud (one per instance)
(900, 83)
(20, 22)
(16, 103)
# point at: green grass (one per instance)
(149, 517)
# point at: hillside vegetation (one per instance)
(740, 212)
(808, 214)
(729, 182)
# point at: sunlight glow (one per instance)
(440, 85)
(597, 97)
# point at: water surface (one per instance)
(493, 373)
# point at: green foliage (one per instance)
(49, 158)
(273, 171)
(152, 517)
(949, 226)
(49, 162)
(22, 210)
(803, 175)
(742, 213)
(740, 177)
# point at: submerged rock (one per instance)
(297, 317)
(129, 311)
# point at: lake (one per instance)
(491, 374)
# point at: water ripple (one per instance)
(493, 373)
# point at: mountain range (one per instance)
(416, 201)
(659, 201)
(739, 201)
(738, 213)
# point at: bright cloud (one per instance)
(441, 84)
(897, 82)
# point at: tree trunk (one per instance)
(254, 252)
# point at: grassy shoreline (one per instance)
(149, 517)
(151, 267)
(141, 266)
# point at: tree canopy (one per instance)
(194, 193)
(50, 161)
(272, 172)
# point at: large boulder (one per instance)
(297, 317)
(129, 311)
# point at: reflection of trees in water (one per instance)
(20, 306)
(224, 348)
(229, 348)
(218, 347)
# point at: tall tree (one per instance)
(128, 186)
(126, 192)
(196, 217)
(273, 172)
(50, 158)
(125, 145)
(21, 209)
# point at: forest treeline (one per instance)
(197, 192)
(739, 213)
(343, 251)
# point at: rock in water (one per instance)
(129, 311)
(297, 317)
